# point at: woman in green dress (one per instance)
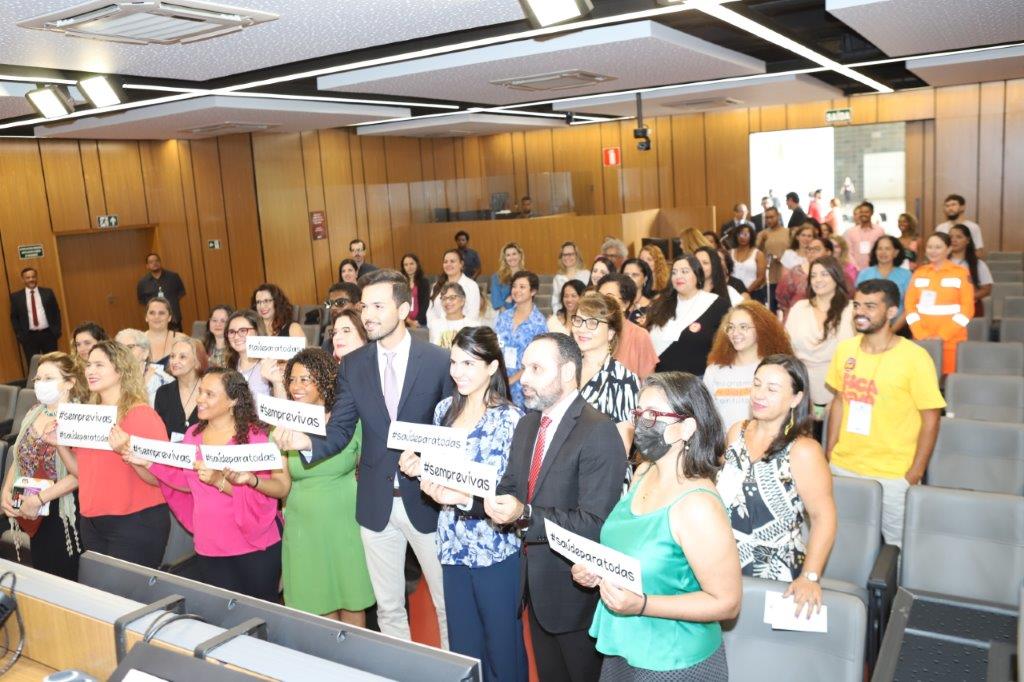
(323, 561)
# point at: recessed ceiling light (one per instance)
(100, 91)
(51, 101)
(550, 12)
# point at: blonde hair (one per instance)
(660, 268)
(504, 271)
(198, 352)
(579, 259)
(71, 369)
(842, 249)
(604, 307)
(691, 239)
(133, 390)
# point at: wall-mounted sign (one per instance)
(213, 243)
(838, 116)
(611, 156)
(318, 225)
(27, 251)
(106, 221)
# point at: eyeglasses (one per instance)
(339, 302)
(264, 301)
(741, 328)
(243, 331)
(590, 322)
(647, 417)
(450, 299)
(304, 381)
(566, 254)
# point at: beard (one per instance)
(541, 398)
(381, 331)
(872, 325)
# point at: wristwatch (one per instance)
(523, 522)
(811, 576)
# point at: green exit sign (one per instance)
(838, 116)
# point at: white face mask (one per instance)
(47, 392)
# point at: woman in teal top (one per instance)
(322, 557)
(673, 521)
(887, 263)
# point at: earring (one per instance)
(792, 420)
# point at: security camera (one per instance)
(640, 133)
(569, 117)
(644, 144)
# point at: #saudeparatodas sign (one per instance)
(273, 347)
(85, 426)
(246, 457)
(290, 414)
(179, 455)
(619, 568)
(443, 456)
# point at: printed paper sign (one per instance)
(85, 426)
(427, 437)
(292, 415)
(274, 347)
(248, 457)
(779, 613)
(621, 569)
(177, 455)
(460, 473)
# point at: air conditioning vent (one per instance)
(141, 23)
(702, 104)
(559, 80)
(227, 128)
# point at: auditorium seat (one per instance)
(860, 564)
(976, 455)
(756, 652)
(199, 329)
(33, 367)
(26, 399)
(979, 329)
(964, 544)
(934, 348)
(180, 547)
(305, 310)
(986, 398)
(8, 405)
(1011, 329)
(999, 359)
(421, 333)
(1005, 256)
(1000, 292)
(1013, 306)
(312, 332)
(1008, 275)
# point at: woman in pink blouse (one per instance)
(233, 515)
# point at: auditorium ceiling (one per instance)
(466, 66)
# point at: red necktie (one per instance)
(538, 456)
(35, 315)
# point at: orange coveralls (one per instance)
(940, 303)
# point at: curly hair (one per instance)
(660, 267)
(282, 308)
(71, 369)
(127, 367)
(322, 368)
(772, 338)
(244, 411)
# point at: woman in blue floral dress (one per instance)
(479, 562)
(517, 326)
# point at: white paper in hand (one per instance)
(459, 473)
(247, 457)
(779, 613)
(85, 426)
(621, 569)
(273, 347)
(177, 455)
(426, 438)
(291, 414)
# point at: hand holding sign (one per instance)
(273, 347)
(85, 426)
(290, 414)
(409, 463)
(621, 601)
(247, 457)
(177, 455)
(612, 565)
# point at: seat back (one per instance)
(756, 652)
(979, 329)
(999, 359)
(986, 398)
(420, 333)
(33, 366)
(8, 403)
(858, 529)
(312, 332)
(934, 348)
(963, 543)
(1006, 256)
(977, 455)
(199, 329)
(1011, 329)
(26, 399)
(1013, 306)
(1000, 292)
(1007, 275)
(3, 456)
(179, 544)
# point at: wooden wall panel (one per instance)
(956, 145)
(324, 273)
(24, 219)
(402, 155)
(688, 160)
(65, 185)
(773, 118)
(93, 177)
(499, 168)
(611, 176)
(907, 105)
(989, 210)
(241, 215)
(444, 170)
(520, 167)
(378, 213)
(206, 165)
(123, 188)
(539, 165)
(914, 169)
(339, 195)
(579, 154)
(1013, 168)
(195, 239)
(728, 159)
(281, 195)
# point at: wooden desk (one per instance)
(27, 670)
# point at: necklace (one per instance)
(189, 398)
(48, 412)
(163, 346)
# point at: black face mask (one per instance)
(650, 441)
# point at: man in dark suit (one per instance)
(396, 377)
(727, 233)
(357, 251)
(565, 464)
(35, 316)
(758, 220)
(798, 216)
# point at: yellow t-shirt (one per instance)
(896, 385)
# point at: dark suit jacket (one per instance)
(359, 396)
(798, 217)
(578, 484)
(21, 316)
(758, 222)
